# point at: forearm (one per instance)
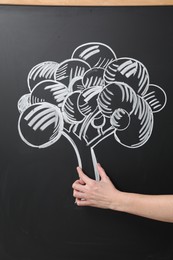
(158, 207)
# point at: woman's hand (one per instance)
(101, 194)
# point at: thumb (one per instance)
(82, 176)
(81, 181)
(102, 172)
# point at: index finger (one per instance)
(83, 176)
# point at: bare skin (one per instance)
(103, 194)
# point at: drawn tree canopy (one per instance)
(92, 90)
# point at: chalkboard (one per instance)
(81, 85)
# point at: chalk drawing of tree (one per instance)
(90, 96)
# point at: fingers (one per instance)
(85, 179)
(80, 202)
(101, 171)
(83, 187)
(78, 186)
(79, 195)
(81, 182)
(83, 176)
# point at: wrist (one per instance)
(118, 201)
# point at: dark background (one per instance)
(39, 219)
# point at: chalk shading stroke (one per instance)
(95, 54)
(42, 71)
(129, 71)
(40, 125)
(89, 96)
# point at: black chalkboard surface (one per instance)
(80, 85)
